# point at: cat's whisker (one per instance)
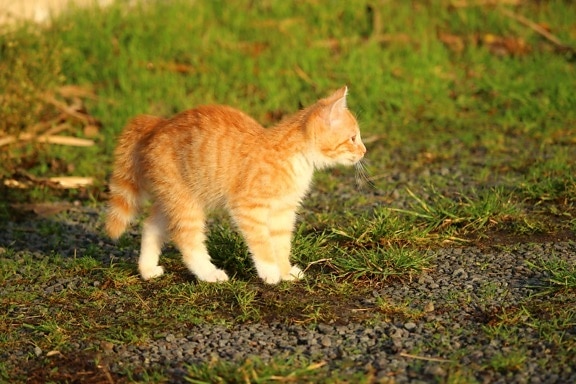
(362, 176)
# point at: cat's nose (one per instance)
(363, 148)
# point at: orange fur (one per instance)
(218, 156)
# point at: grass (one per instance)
(468, 118)
(462, 212)
(562, 274)
(256, 371)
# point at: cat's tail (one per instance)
(126, 190)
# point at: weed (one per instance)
(398, 312)
(508, 362)
(253, 370)
(462, 214)
(561, 273)
(380, 263)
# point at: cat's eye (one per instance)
(353, 139)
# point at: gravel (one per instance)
(455, 301)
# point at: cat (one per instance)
(214, 156)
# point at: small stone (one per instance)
(435, 370)
(460, 273)
(326, 341)
(383, 376)
(37, 351)
(410, 326)
(395, 333)
(324, 328)
(107, 346)
(170, 338)
(429, 307)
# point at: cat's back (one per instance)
(204, 132)
(212, 120)
(209, 147)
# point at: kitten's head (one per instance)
(334, 132)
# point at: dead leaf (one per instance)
(76, 91)
(505, 46)
(72, 182)
(91, 130)
(482, 3)
(43, 209)
(181, 68)
(63, 182)
(453, 42)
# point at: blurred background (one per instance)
(451, 93)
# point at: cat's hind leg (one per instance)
(187, 228)
(153, 237)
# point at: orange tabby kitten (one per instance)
(218, 156)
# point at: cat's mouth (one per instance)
(354, 159)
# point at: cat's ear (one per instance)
(338, 98)
(336, 106)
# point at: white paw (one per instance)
(216, 276)
(294, 274)
(148, 273)
(268, 272)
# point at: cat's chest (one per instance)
(302, 172)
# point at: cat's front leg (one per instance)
(295, 273)
(252, 220)
(281, 226)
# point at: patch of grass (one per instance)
(77, 292)
(402, 312)
(30, 68)
(552, 179)
(382, 228)
(552, 316)
(229, 251)
(282, 369)
(461, 214)
(508, 362)
(380, 263)
(561, 273)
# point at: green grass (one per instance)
(462, 212)
(467, 114)
(561, 274)
(256, 371)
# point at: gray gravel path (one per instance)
(456, 300)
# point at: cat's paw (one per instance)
(295, 274)
(268, 272)
(216, 276)
(148, 273)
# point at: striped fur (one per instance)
(215, 156)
